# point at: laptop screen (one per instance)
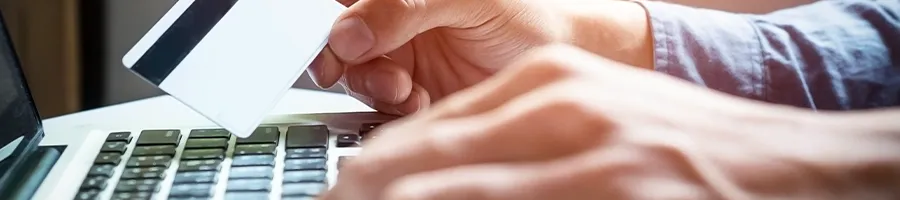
(19, 121)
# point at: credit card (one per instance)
(229, 60)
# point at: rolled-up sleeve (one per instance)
(828, 55)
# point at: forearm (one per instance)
(885, 122)
(797, 154)
(868, 159)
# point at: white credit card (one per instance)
(233, 60)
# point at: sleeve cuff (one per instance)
(715, 49)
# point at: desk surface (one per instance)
(165, 110)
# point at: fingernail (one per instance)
(413, 106)
(382, 85)
(351, 38)
(316, 71)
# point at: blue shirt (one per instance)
(828, 55)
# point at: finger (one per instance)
(418, 99)
(377, 105)
(347, 3)
(494, 181)
(382, 79)
(371, 28)
(326, 69)
(512, 135)
(617, 171)
(569, 177)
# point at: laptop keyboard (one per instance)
(212, 163)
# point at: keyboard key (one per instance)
(119, 137)
(203, 154)
(159, 137)
(132, 195)
(254, 149)
(168, 150)
(368, 127)
(304, 176)
(247, 195)
(343, 160)
(262, 135)
(87, 194)
(197, 177)
(347, 140)
(253, 160)
(302, 189)
(249, 185)
(94, 182)
(206, 143)
(307, 136)
(305, 153)
(138, 185)
(304, 164)
(200, 165)
(189, 198)
(210, 133)
(114, 147)
(108, 158)
(191, 190)
(144, 173)
(251, 172)
(102, 170)
(298, 198)
(149, 161)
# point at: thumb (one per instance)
(371, 28)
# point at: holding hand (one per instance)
(398, 56)
(562, 123)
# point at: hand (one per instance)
(398, 56)
(564, 124)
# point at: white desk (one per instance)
(166, 111)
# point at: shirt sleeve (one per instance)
(828, 55)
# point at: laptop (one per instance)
(295, 157)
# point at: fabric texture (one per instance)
(827, 55)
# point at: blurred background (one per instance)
(71, 49)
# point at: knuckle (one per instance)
(545, 67)
(672, 147)
(565, 103)
(576, 106)
(671, 153)
(574, 119)
(414, 5)
(455, 145)
(397, 8)
(552, 62)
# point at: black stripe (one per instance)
(184, 34)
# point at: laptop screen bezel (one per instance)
(30, 141)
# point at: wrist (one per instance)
(834, 155)
(872, 165)
(792, 153)
(618, 30)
